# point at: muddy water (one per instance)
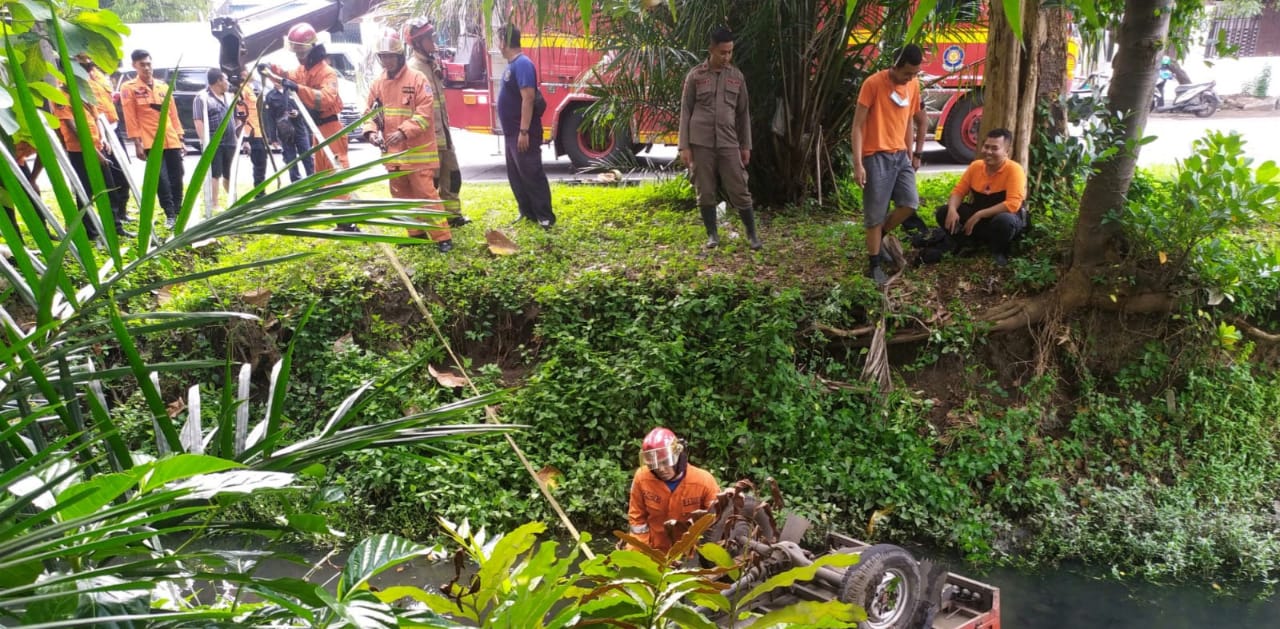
(1065, 598)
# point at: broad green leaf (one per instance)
(495, 567)
(1013, 11)
(1267, 171)
(813, 614)
(800, 573)
(374, 555)
(183, 466)
(310, 523)
(684, 616)
(206, 486)
(362, 610)
(91, 495)
(435, 602)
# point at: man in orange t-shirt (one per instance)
(888, 104)
(998, 212)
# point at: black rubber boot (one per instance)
(709, 222)
(749, 220)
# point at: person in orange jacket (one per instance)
(666, 487)
(248, 117)
(101, 86)
(75, 154)
(141, 99)
(405, 125)
(316, 84)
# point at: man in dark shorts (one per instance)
(888, 104)
(208, 110)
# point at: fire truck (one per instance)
(952, 76)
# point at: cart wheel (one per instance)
(886, 584)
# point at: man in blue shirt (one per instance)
(520, 109)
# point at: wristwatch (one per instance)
(524, 131)
(918, 155)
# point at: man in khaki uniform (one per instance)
(421, 35)
(715, 135)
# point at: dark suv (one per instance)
(191, 81)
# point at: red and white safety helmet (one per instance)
(419, 28)
(301, 38)
(661, 448)
(391, 42)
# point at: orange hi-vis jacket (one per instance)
(67, 121)
(407, 104)
(652, 503)
(102, 94)
(141, 106)
(248, 105)
(318, 91)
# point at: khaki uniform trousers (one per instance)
(725, 166)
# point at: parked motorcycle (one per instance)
(1196, 98)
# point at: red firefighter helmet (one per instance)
(661, 448)
(301, 38)
(418, 28)
(391, 42)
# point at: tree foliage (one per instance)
(160, 10)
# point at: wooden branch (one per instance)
(1256, 333)
(841, 333)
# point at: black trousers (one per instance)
(113, 189)
(528, 180)
(997, 232)
(171, 184)
(291, 150)
(258, 156)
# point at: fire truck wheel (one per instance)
(886, 584)
(586, 148)
(960, 131)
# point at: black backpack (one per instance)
(933, 245)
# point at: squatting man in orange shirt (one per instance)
(888, 104)
(666, 487)
(998, 212)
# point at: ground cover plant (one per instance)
(617, 321)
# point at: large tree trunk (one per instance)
(1001, 74)
(1028, 85)
(1053, 67)
(1141, 40)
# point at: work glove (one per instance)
(289, 84)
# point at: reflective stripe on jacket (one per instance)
(406, 107)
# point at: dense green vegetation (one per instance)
(616, 322)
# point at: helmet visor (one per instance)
(664, 456)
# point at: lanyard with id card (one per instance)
(898, 99)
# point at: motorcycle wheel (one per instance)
(1208, 106)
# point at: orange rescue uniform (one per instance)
(1010, 179)
(141, 104)
(407, 103)
(67, 121)
(890, 109)
(248, 105)
(652, 503)
(318, 91)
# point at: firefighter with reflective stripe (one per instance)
(316, 84)
(666, 487)
(421, 35)
(406, 100)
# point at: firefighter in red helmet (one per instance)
(666, 487)
(420, 37)
(317, 86)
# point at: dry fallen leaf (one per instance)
(345, 341)
(256, 297)
(550, 476)
(499, 244)
(176, 406)
(163, 297)
(446, 378)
